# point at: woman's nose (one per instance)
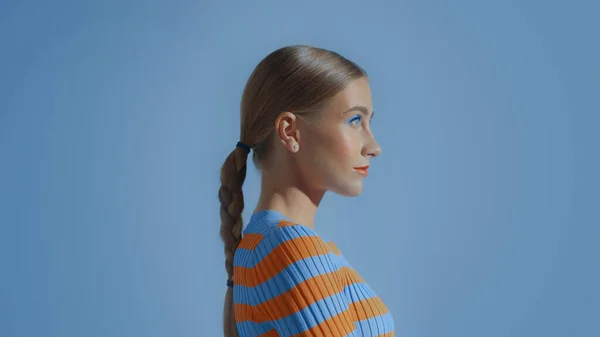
(372, 149)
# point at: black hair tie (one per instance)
(243, 146)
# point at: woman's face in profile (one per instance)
(334, 151)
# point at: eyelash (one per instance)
(357, 117)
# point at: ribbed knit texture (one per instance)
(289, 281)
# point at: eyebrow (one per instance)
(360, 108)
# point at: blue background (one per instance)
(480, 218)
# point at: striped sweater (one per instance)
(289, 281)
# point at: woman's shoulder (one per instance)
(270, 229)
(273, 243)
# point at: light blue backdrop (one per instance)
(480, 218)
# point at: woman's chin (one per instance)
(353, 189)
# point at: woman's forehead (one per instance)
(356, 95)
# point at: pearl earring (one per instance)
(295, 147)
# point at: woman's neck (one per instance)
(289, 200)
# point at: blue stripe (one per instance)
(242, 257)
(255, 227)
(341, 262)
(263, 221)
(358, 291)
(376, 325)
(341, 259)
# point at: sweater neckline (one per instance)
(268, 214)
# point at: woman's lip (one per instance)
(364, 170)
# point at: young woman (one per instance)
(306, 114)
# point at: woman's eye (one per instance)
(355, 120)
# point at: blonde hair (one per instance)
(299, 78)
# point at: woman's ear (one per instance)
(288, 131)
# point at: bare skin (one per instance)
(324, 159)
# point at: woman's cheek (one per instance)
(346, 146)
(338, 146)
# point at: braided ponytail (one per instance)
(233, 174)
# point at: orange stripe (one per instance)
(387, 334)
(250, 241)
(338, 325)
(294, 249)
(292, 301)
(285, 223)
(369, 308)
(334, 248)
